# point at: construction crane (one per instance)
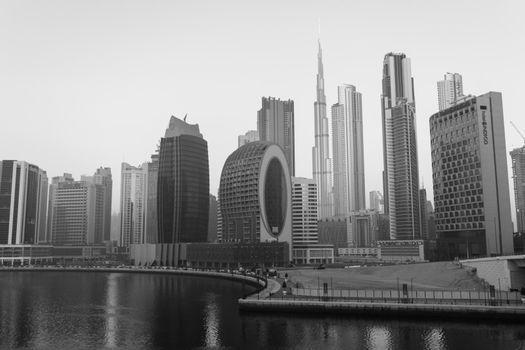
(518, 130)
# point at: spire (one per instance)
(320, 59)
(320, 74)
(319, 53)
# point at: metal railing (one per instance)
(486, 297)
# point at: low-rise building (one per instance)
(401, 250)
(212, 255)
(308, 254)
(363, 252)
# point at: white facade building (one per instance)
(250, 136)
(450, 90)
(347, 137)
(133, 204)
(304, 211)
(376, 201)
(76, 211)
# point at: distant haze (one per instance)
(93, 83)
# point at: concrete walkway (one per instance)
(476, 312)
(272, 287)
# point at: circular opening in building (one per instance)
(275, 197)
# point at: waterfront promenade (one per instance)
(251, 279)
(392, 303)
(404, 299)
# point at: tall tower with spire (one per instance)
(322, 164)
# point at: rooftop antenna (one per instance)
(185, 116)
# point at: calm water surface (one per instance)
(68, 310)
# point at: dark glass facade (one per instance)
(6, 180)
(183, 190)
(275, 196)
(151, 204)
(229, 255)
(24, 186)
(31, 206)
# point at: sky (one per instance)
(90, 83)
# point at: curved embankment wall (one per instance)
(478, 312)
(254, 281)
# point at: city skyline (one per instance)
(101, 89)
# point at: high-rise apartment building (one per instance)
(133, 204)
(250, 136)
(275, 123)
(450, 90)
(151, 183)
(212, 220)
(401, 174)
(304, 211)
(102, 177)
(219, 221)
(23, 203)
(347, 138)
(471, 188)
(376, 201)
(518, 175)
(321, 162)
(423, 219)
(76, 211)
(183, 184)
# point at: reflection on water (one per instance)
(63, 310)
(378, 337)
(434, 339)
(211, 321)
(111, 310)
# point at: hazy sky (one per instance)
(93, 83)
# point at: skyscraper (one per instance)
(275, 123)
(401, 174)
(471, 187)
(376, 201)
(423, 211)
(304, 211)
(255, 195)
(151, 220)
(518, 175)
(450, 90)
(321, 162)
(347, 138)
(212, 220)
(76, 211)
(23, 203)
(102, 177)
(183, 184)
(132, 204)
(250, 136)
